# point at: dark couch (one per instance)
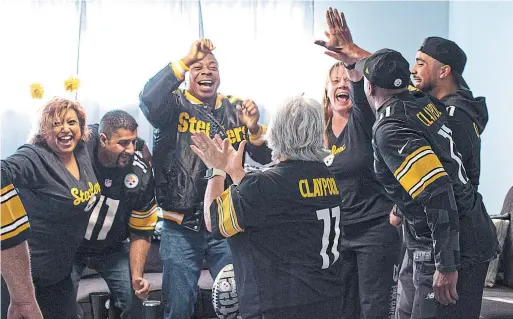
(92, 282)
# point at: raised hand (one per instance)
(199, 49)
(217, 153)
(340, 41)
(249, 115)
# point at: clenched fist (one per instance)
(199, 50)
(249, 115)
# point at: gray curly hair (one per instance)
(296, 131)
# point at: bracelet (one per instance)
(350, 66)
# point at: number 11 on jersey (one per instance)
(326, 215)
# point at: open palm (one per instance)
(217, 153)
(340, 40)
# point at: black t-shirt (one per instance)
(126, 204)
(351, 162)
(284, 229)
(57, 204)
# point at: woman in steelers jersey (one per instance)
(57, 186)
(370, 245)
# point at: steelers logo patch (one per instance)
(328, 160)
(131, 180)
(224, 294)
(398, 82)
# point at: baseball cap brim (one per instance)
(461, 81)
(360, 65)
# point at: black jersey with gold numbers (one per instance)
(57, 204)
(126, 205)
(417, 160)
(283, 225)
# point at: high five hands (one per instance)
(340, 43)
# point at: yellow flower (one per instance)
(71, 84)
(36, 90)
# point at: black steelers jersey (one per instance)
(283, 225)
(351, 162)
(14, 227)
(56, 203)
(467, 116)
(418, 163)
(126, 204)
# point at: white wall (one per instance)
(398, 25)
(484, 30)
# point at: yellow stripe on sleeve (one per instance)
(179, 68)
(22, 226)
(13, 219)
(409, 158)
(258, 138)
(227, 218)
(11, 206)
(419, 170)
(143, 220)
(430, 180)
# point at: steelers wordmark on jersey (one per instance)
(419, 170)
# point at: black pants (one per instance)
(416, 298)
(57, 301)
(370, 252)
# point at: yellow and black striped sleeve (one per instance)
(143, 222)
(143, 219)
(238, 207)
(224, 216)
(14, 221)
(411, 159)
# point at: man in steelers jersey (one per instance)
(126, 209)
(417, 162)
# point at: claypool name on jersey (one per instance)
(429, 114)
(318, 187)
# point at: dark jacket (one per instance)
(179, 172)
(467, 117)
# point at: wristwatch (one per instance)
(350, 66)
(211, 172)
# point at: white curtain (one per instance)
(265, 50)
(39, 44)
(123, 44)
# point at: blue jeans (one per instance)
(182, 252)
(114, 267)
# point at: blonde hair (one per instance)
(54, 111)
(328, 112)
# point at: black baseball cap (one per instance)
(449, 53)
(386, 68)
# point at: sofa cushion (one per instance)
(507, 209)
(502, 227)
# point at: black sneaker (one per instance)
(224, 294)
